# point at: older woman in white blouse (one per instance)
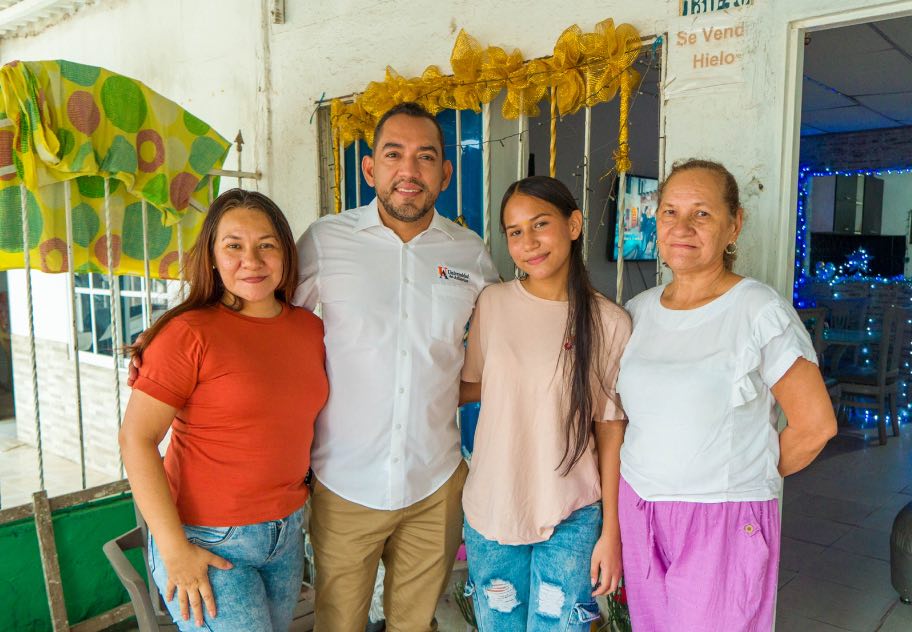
(711, 355)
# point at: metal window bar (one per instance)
(147, 276)
(521, 145)
(458, 152)
(231, 173)
(343, 204)
(622, 188)
(71, 271)
(92, 315)
(115, 308)
(239, 143)
(486, 167)
(663, 75)
(458, 163)
(180, 254)
(587, 145)
(357, 174)
(33, 358)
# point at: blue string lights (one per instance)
(855, 269)
(850, 270)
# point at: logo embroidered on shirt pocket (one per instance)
(449, 274)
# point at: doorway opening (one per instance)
(853, 224)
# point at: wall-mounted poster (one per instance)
(640, 201)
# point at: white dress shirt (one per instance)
(394, 314)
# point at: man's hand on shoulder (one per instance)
(135, 365)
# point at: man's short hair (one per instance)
(410, 108)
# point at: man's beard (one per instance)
(406, 212)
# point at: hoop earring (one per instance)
(731, 249)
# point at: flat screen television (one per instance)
(640, 200)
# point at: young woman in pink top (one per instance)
(541, 524)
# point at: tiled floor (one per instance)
(837, 516)
(19, 471)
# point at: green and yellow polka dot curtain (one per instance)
(68, 121)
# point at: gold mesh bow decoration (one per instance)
(433, 86)
(608, 52)
(585, 69)
(382, 95)
(379, 97)
(351, 121)
(566, 66)
(526, 82)
(468, 91)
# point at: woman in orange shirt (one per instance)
(238, 376)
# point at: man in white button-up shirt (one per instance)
(397, 283)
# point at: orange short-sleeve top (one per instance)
(247, 392)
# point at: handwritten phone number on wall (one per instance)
(694, 7)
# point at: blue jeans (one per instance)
(261, 591)
(542, 587)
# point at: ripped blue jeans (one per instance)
(542, 587)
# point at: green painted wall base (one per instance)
(89, 584)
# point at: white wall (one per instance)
(51, 305)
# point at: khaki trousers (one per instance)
(417, 545)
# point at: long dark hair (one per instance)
(205, 284)
(581, 362)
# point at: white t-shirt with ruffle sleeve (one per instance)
(695, 385)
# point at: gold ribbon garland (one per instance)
(585, 69)
(552, 164)
(338, 151)
(622, 162)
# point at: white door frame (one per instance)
(784, 267)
